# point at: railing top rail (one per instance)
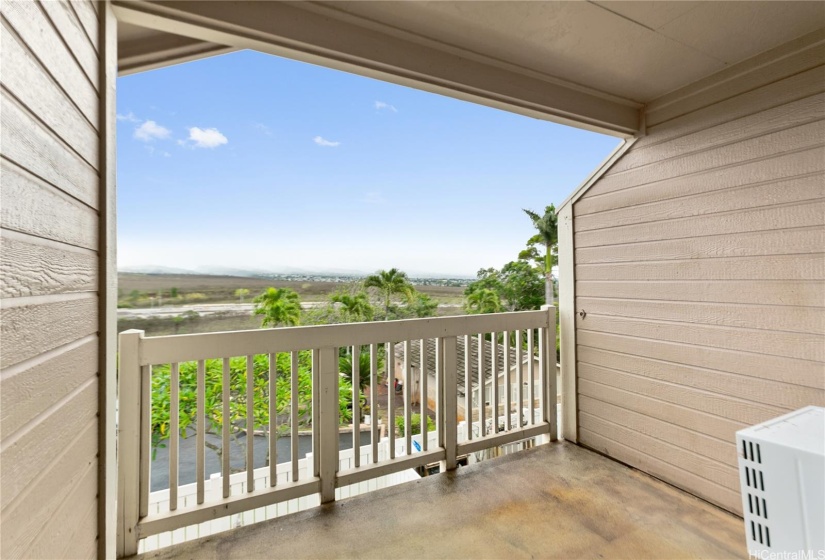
(189, 347)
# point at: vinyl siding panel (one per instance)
(700, 264)
(50, 262)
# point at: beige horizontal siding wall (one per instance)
(49, 257)
(700, 264)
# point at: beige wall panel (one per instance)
(73, 525)
(698, 443)
(74, 35)
(676, 475)
(24, 78)
(788, 140)
(766, 171)
(35, 327)
(751, 316)
(760, 243)
(34, 148)
(726, 476)
(763, 98)
(717, 427)
(87, 15)
(36, 31)
(792, 345)
(731, 408)
(797, 189)
(772, 267)
(805, 60)
(769, 392)
(34, 207)
(36, 447)
(779, 118)
(50, 261)
(26, 393)
(793, 215)
(32, 267)
(50, 493)
(767, 292)
(763, 366)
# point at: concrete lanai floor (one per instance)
(552, 501)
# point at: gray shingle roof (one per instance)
(415, 358)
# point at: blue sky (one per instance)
(252, 161)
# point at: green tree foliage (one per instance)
(547, 238)
(355, 307)
(518, 286)
(279, 307)
(241, 293)
(345, 365)
(415, 423)
(238, 404)
(173, 292)
(389, 283)
(483, 300)
(421, 305)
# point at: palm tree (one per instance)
(548, 235)
(483, 301)
(389, 282)
(345, 366)
(356, 306)
(279, 306)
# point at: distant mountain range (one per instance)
(262, 273)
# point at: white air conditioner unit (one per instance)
(782, 475)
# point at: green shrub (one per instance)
(415, 420)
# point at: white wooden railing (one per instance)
(138, 354)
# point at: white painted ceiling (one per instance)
(635, 50)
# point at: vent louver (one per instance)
(782, 477)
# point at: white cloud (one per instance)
(206, 137)
(374, 197)
(326, 143)
(263, 128)
(128, 117)
(380, 105)
(150, 130)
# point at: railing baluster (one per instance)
(519, 380)
(468, 389)
(328, 377)
(390, 352)
(374, 401)
(494, 371)
(423, 404)
(293, 414)
(552, 415)
(439, 392)
(508, 387)
(226, 420)
(200, 437)
(145, 438)
(531, 374)
(273, 419)
(134, 426)
(250, 423)
(482, 386)
(543, 373)
(174, 434)
(316, 412)
(407, 398)
(356, 406)
(448, 378)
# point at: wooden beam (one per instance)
(290, 30)
(161, 50)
